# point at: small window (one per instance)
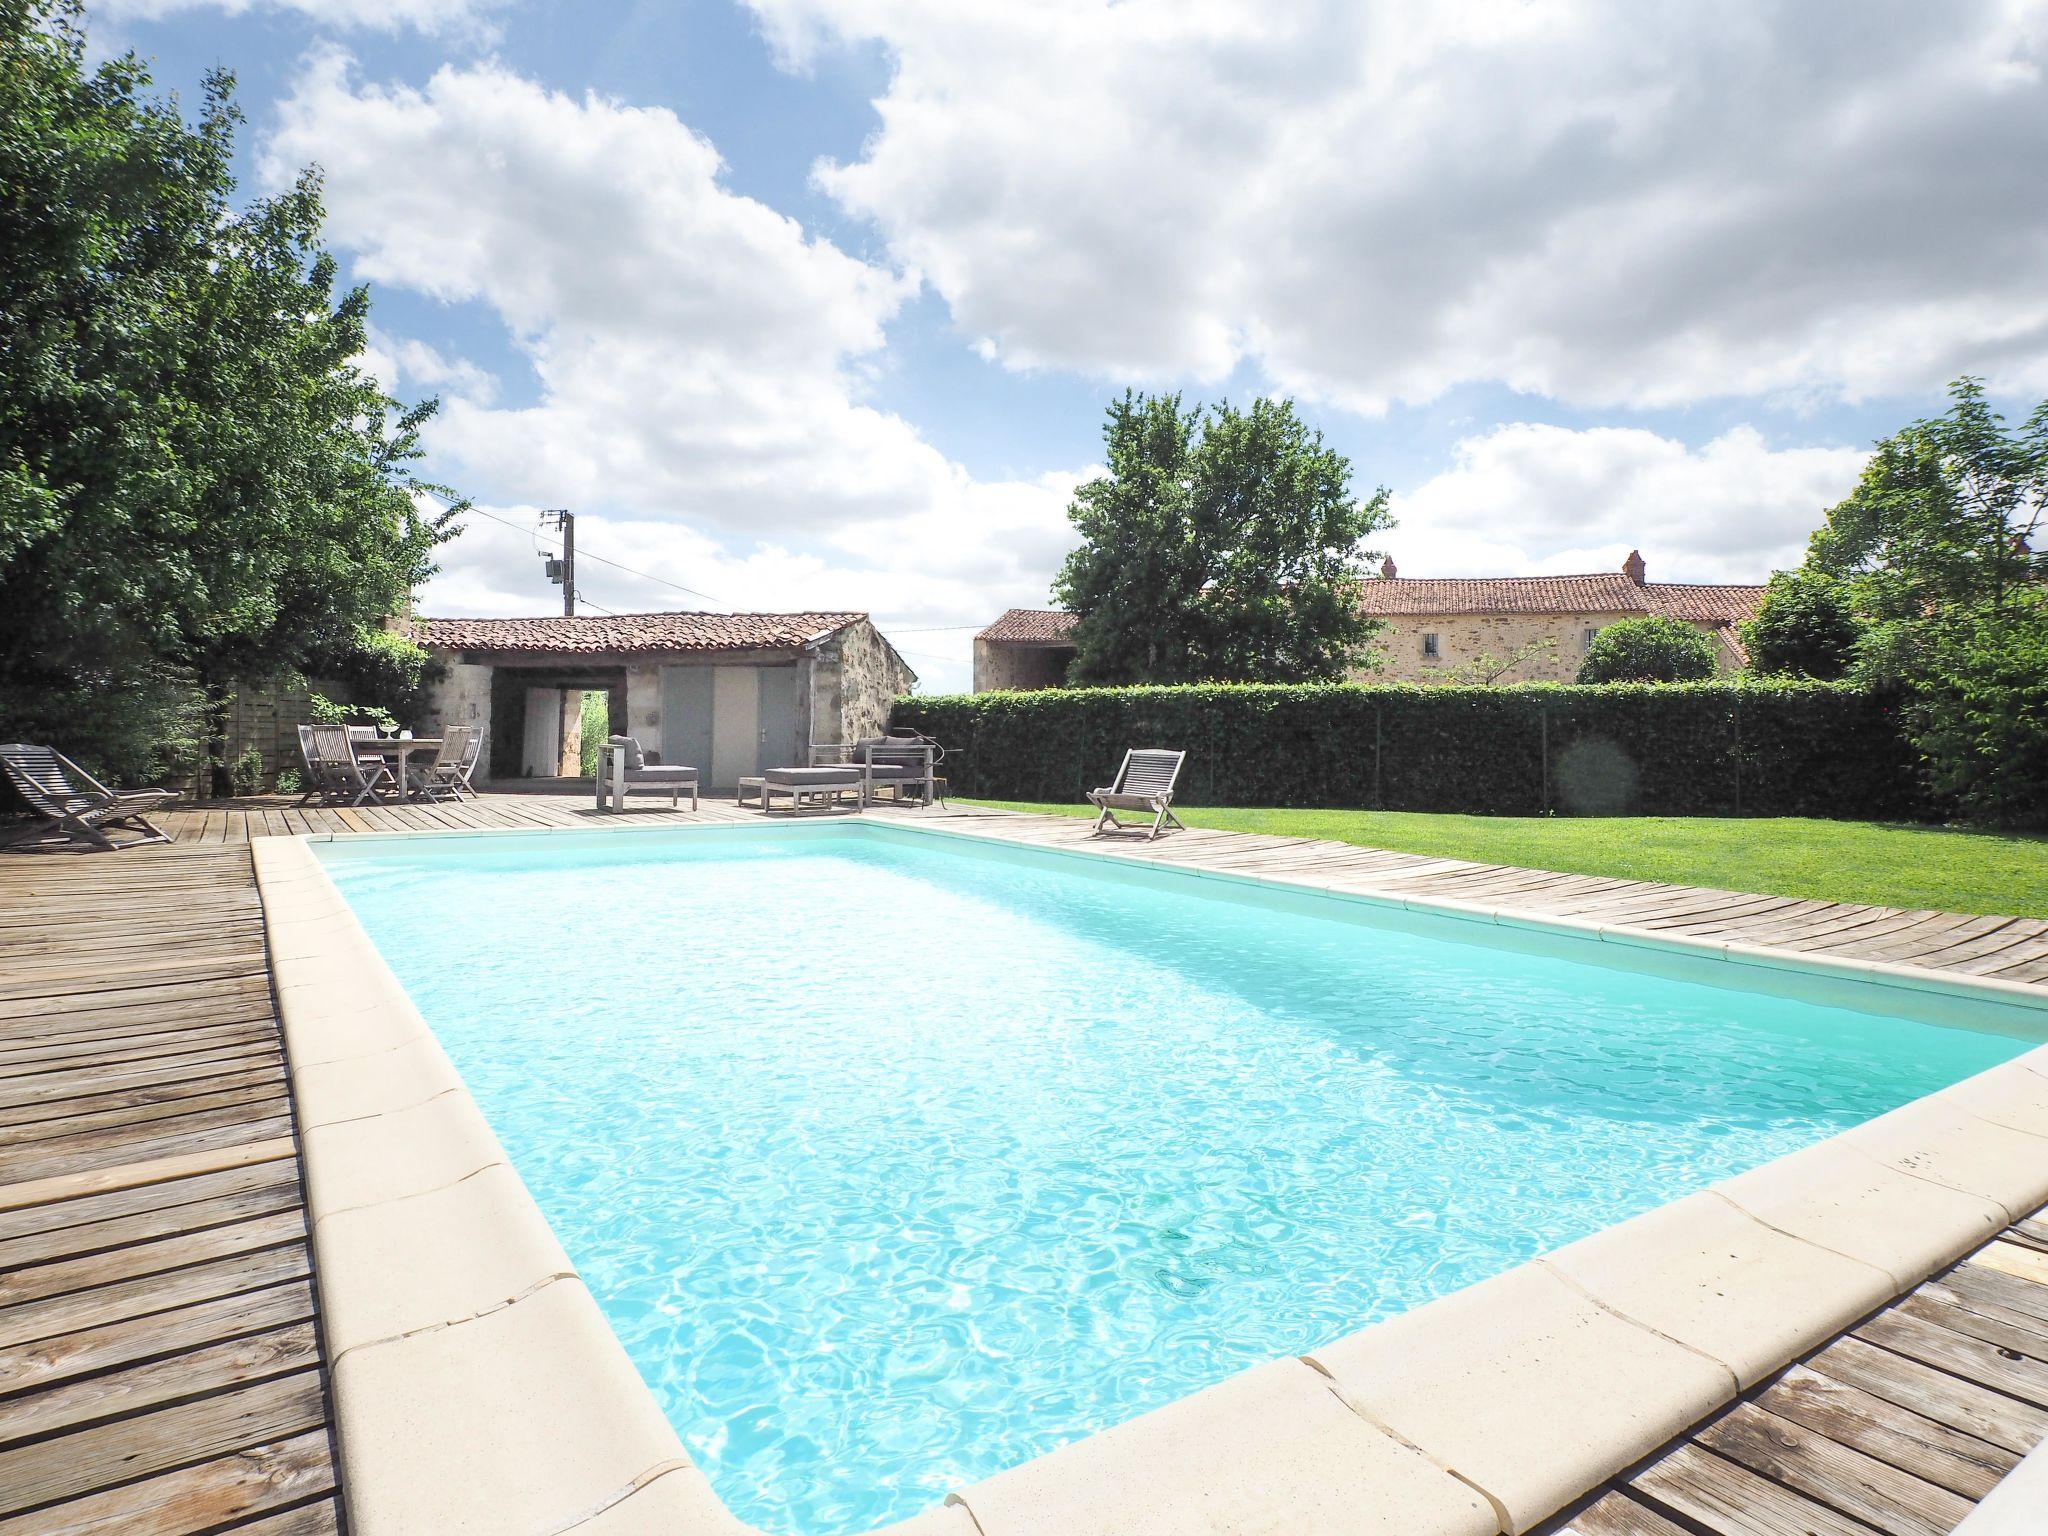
(1429, 645)
(1586, 637)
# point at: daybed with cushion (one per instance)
(623, 769)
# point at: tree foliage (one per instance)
(198, 484)
(1935, 549)
(1806, 626)
(1944, 515)
(1222, 545)
(1657, 649)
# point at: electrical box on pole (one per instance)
(562, 568)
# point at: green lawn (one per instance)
(1899, 866)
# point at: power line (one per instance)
(584, 554)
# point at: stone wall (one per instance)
(871, 677)
(1463, 637)
(461, 696)
(1001, 664)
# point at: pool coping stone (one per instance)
(1486, 1410)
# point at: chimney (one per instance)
(1632, 567)
(1387, 568)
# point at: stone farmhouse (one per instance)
(1438, 628)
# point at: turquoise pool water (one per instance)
(895, 1164)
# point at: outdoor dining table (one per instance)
(396, 751)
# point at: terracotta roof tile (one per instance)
(1600, 592)
(1389, 597)
(634, 632)
(1031, 626)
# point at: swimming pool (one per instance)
(895, 1160)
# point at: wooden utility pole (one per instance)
(569, 564)
(564, 568)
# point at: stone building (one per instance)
(729, 693)
(1438, 629)
(1025, 648)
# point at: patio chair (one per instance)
(350, 778)
(624, 769)
(1144, 784)
(319, 777)
(444, 778)
(83, 808)
(905, 764)
(470, 759)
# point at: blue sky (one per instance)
(816, 303)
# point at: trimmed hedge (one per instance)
(1754, 748)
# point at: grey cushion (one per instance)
(635, 758)
(659, 774)
(813, 778)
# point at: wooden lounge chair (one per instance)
(81, 806)
(443, 778)
(319, 777)
(1143, 784)
(350, 778)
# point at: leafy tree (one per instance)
(1806, 626)
(1222, 546)
(1658, 649)
(1977, 705)
(1935, 551)
(1486, 669)
(198, 485)
(1944, 515)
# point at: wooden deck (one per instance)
(160, 1371)
(1896, 1428)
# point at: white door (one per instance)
(735, 725)
(542, 753)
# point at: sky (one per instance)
(817, 304)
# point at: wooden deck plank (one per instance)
(1843, 1479)
(160, 1366)
(282, 1482)
(1932, 1452)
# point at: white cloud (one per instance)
(698, 357)
(411, 368)
(1592, 199)
(460, 17)
(1527, 499)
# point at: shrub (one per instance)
(145, 727)
(326, 711)
(1805, 627)
(245, 773)
(1651, 650)
(289, 782)
(1758, 748)
(1978, 685)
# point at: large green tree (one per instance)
(1936, 549)
(1945, 515)
(1221, 546)
(199, 486)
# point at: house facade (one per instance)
(727, 693)
(1440, 630)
